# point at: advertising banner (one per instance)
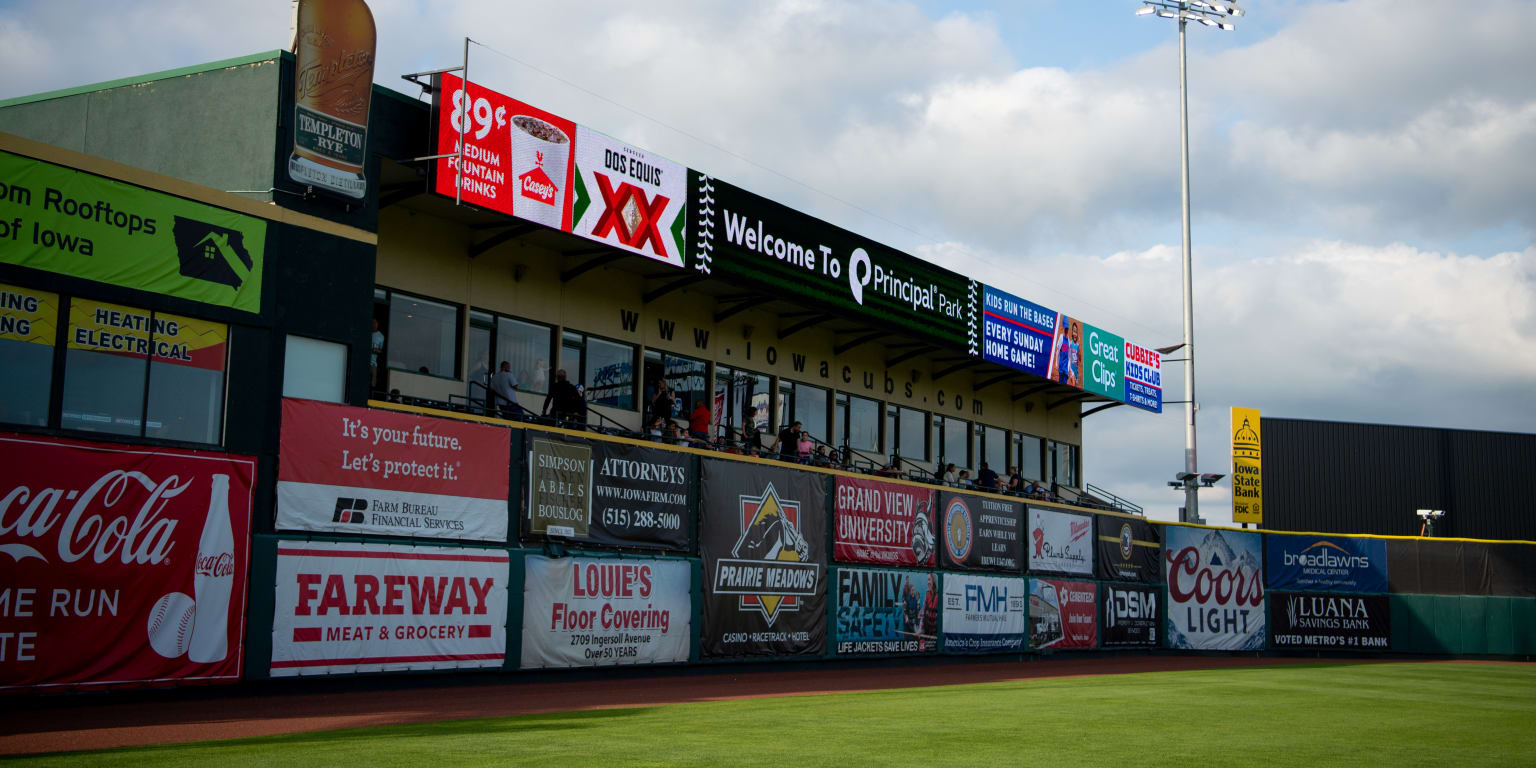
(762, 534)
(1215, 589)
(1016, 333)
(1128, 550)
(333, 48)
(981, 533)
(1143, 378)
(1063, 614)
(1103, 362)
(1060, 542)
(97, 326)
(1331, 622)
(882, 611)
(1066, 364)
(69, 222)
(122, 564)
(1247, 491)
(883, 523)
(518, 159)
(619, 494)
(983, 614)
(28, 315)
(363, 471)
(586, 612)
(344, 608)
(629, 198)
(761, 245)
(1313, 563)
(1130, 616)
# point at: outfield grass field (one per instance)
(1398, 714)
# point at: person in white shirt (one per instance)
(504, 390)
(377, 342)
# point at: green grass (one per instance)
(1315, 715)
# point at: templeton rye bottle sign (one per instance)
(333, 84)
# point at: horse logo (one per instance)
(770, 531)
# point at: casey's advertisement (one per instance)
(629, 198)
(883, 523)
(354, 607)
(1215, 589)
(1060, 542)
(122, 564)
(980, 533)
(1062, 614)
(608, 493)
(585, 612)
(881, 611)
(983, 614)
(367, 471)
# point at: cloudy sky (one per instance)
(1364, 172)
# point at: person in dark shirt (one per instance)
(789, 443)
(1015, 480)
(986, 479)
(751, 433)
(565, 402)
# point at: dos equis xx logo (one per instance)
(770, 569)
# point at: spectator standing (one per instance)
(751, 433)
(564, 402)
(788, 444)
(698, 423)
(504, 391)
(376, 343)
(1015, 480)
(806, 447)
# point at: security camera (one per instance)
(1185, 477)
(1209, 479)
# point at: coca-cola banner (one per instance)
(1129, 549)
(586, 612)
(1330, 622)
(122, 564)
(1129, 616)
(883, 523)
(360, 607)
(1062, 614)
(880, 611)
(604, 492)
(983, 614)
(1060, 542)
(1215, 588)
(373, 471)
(981, 533)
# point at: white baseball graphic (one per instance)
(170, 624)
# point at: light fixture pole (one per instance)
(1212, 14)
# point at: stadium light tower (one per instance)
(1211, 13)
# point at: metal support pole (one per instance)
(1191, 492)
(464, 109)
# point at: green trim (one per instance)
(141, 79)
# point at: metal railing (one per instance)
(1116, 502)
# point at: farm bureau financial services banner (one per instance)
(607, 493)
(629, 198)
(1060, 542)
(1062, 614)
(1319, 563)
(983, 614)
(1128, 550)
(883, 523)
(357, 607)
(1130, 616)
(364, 471)
(1331, 622)
(584, 612)
(1215, 589)
(981, 533)
(882, 611)
(122, 564)
(762, 543)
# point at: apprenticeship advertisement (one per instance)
(883, 523)
(1314, 563)
(587, 612)
(629, 198)
(121, 564)
(1215, 589)
(1130, 617)
(980, 533)
(1129, 549)
(762, 540)
(983, 614)
(1330, 622)
(1060, 542)
(618, 494)
(344, 608)
(881, 611)
(1063, 614)
(372, 471)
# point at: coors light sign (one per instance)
(333, 85)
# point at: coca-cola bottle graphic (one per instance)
(213, 578)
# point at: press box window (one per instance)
(605, 368)
(422, 335)
(134, 372)
(28, 327)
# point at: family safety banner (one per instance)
(587, 612)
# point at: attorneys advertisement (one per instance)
(365, 471)
(1247, 466)
(1016, 333)
(1063, 614)
(345, 608)
(518, 159)
(767, 247)
(587, 612)
(1215, 589)
(762, 540)
(1143, 377)
(1060, 542)
(881, 611)
(629, 198)
(983, 614)
(1103, 362)
(1330, 622)
(618, 494)
(1130, 616)
(980, 533)
(883, 523)
(1129, 549)
(121, 565)
(1314, 563)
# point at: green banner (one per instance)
(1103, 362)
(74, 223)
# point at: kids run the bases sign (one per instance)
(585, 612)
(1215, 589)
(121, 564)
